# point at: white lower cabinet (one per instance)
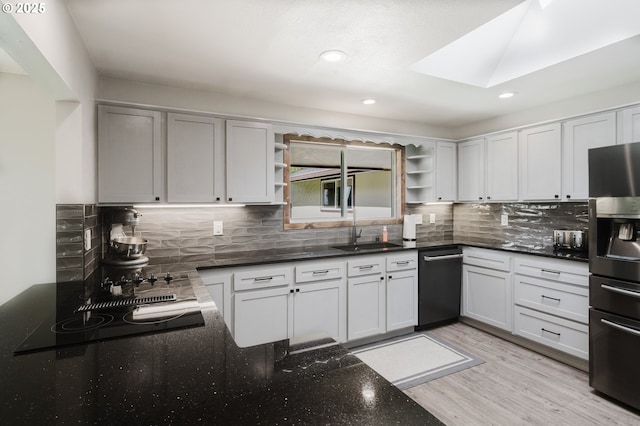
(366, 306)
(218, 284)
(567, 336)
(486, 287)
(551, 299)
(486, 296)
(320, 300)
(542, 299)
(261, 316)
(346, 298)
(402, 291)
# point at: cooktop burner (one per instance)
(97, 310)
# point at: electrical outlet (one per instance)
(432, 218)
(418, 219)
(504, 220)
(217, 227)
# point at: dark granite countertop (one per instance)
(248, 258)
(189, 376)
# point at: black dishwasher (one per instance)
(439, 285)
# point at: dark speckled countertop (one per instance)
(198, 375)
(190, 376)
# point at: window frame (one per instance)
(399, 185)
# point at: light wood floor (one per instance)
(514, 386)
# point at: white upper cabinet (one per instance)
(250, 162)
(195, 158)
(579, 136)
(446, 171)
(129, 155)
(471, 170)
(631, 125)
(502, 167)
(540, 162)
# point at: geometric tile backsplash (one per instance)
(184, 236)
(530, 225)
(73, 262)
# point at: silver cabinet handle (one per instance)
(446, 257)
(620, 290)
(315, 273)
(551, 298)
(547, 271)
(366, 267)
(620, 327)
(262, 279)
(402, 263)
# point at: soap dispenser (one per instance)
(385, 234)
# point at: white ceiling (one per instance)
(268, 50)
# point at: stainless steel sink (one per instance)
(366, 246)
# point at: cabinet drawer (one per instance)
(365, 265)
(402, 262)
(564, 300)
(257, 278)
(565, 271)
(319, 271)
(567, 336)
(487, 259)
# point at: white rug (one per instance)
(408, 361)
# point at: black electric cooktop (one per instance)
(124, 302)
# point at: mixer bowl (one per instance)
(129, 247)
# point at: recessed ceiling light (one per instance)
(506, 95)
(333, 55)
(368, 101)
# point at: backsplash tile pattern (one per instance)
(72, 261)
(530, 225)
(183, 237)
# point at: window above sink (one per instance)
(329, 181)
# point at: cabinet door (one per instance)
(194, 158)
(250, 162)
(129, 155)
(366, 306)
(631, 125)
(402, 299)
(446, 171)
(471, 173)
(486, 296)
(579, 136)
(502, 167)
(540, 164)
(261, 316)
(219, 287)
(321, 308)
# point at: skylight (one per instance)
(534, 35)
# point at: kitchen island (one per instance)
(188, 376)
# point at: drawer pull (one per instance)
(551, 298)
(620, 327)
(547, 271)
(316, 273)
(402, 263)
(366, 267)
(549, 331)
(262, 279)
(620, 290)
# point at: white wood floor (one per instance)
(514, 386)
